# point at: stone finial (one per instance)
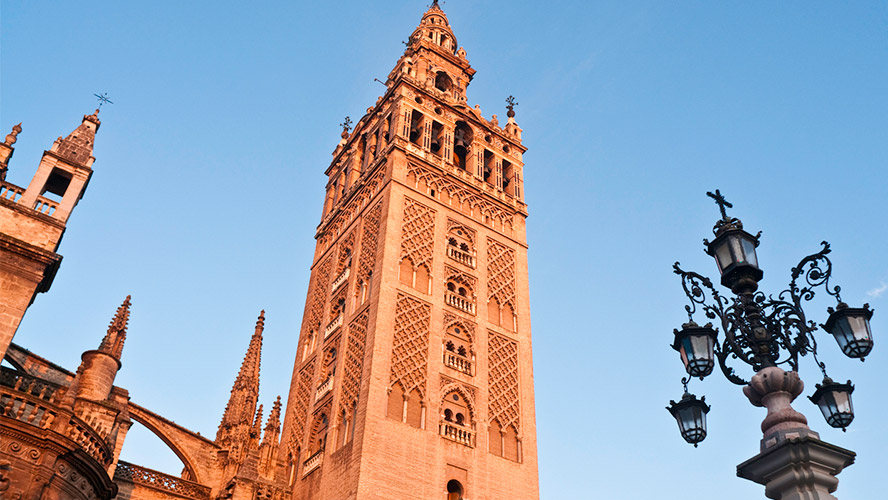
(274, 418)
(257, 423)
(115, 337)
(13, 136)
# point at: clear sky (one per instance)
(209, 181)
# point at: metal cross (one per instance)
(346, 125)
(103, 99)
(721, 201)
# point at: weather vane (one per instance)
(721, 201)
(510, 105)
(346, 125)
(103, 99)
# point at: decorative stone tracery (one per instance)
(300, 406)
(501, 284)
(354, 361)
(475, 205)
(319, 292)
(503, 379)
(411, 345)
(369, 242)
(418, 233)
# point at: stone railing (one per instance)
(34, 386)
(457, 362)
(159, 481)
(33, 401)
(461, 256)
(313, 462)
(10, 192)
(459, 302)
(325, 387)
(457, 433)
(45, 205)
(89, 440)
(342, 278)
(34, 408)
(336, 323)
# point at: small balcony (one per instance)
(459, 302)
(457, 433)
(325, 387)
(313, 462)
(461, 256)
(336, 323)
(342, 278)
(457, 362)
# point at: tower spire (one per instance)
(115, 337)
(239, 413)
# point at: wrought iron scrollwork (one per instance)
(762, 330)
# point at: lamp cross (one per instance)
(721, 202)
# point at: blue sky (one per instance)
(209, 181)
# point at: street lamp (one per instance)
(767, 332)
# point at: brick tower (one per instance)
(33, 220)
(413, 378)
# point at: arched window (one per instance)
(454, 490)
(460, 245)
(462, 140)
(443, 82)
(458, 353)
(416, 127)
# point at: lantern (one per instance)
(690, 413)
(695, 344)
(834, 401)
(734, 252)
(851, 328)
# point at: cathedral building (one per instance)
(413, 377)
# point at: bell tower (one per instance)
(33, 220)
(413, 378)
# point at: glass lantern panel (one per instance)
(737, 249)
(723, 256)
(859, 327)
(842, 402)
(749, 250)
(701, 346)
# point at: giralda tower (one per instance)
(413, 378)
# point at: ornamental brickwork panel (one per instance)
(354, 361)
(301, 406)
(369, 242)
(418, 233)
(346, 248)
(319, 292)
(411, 344)
(473, 202)
(503, 379)
(500, 273)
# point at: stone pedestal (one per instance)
(798, 469)
(794, 464)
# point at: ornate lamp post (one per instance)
(767, 332)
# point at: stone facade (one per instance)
(413, 378)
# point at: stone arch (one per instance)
(466, 395)
(180, 440)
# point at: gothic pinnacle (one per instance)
(116, 335)
(257, 423)
(241, 406)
